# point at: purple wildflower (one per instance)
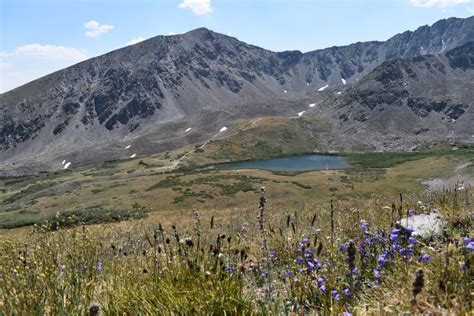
(342, 246)
(411, 212)
(310, 265)
(470, 246)
(299, 260)
(99, 266)
(335, 295)
(412, 240)
(467, 240)
(426, 258)
(347, 292)
(346, 314)
(287, 273)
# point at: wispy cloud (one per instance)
(199, 7)
(94, 28)
(32, 61)
(134, 41)
(47, 52)
(5, 65)
(438, 3)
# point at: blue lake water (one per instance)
(294, 163)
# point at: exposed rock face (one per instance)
(408, 102)
(147, 92)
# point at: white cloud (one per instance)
(5, 65)
(172, 33)
(94, 28)
(28, 62)
(438, 3)
(199, 7)
(135, 41)
(47, 52)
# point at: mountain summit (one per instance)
(149, 93)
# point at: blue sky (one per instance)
(41, 36)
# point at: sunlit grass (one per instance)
(314, 260)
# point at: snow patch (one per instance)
(284, 91)
(343, 81)
(128, 146)
(312, 105)
(62, 163)
(223, 129)
(340, 92)
(67, 165)
(133, 156)
(301, 113)
(307, 83)
(187, 129)
(323, 88)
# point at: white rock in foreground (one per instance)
(323, 88)
(187, 130)
(67, 165)
(223, 129)
(133, 156)
(424, 225)
(312, 105)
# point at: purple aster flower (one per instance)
(305, 241)
(310, 265)
(230, 269)
(411, 212)
(463, 266)
(412, 240)
(287, 273)
(355, 270)
(99, 266)
(364, 225)
(411, 248)
(426, 258)
(467, 240)
(419, 258)
(299, 260)
(403, 252)
(322, 287)
(346, 314)
(264, 274)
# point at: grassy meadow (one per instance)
(133, 237)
